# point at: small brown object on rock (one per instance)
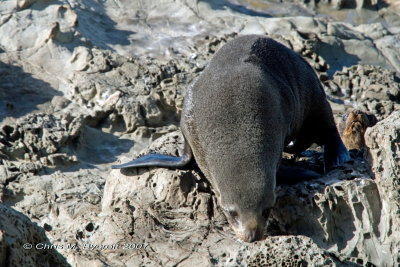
(353, 126)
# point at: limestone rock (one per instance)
(389, 46)
(340, 213)
(36, 135)
(22, 242)
(3, 248)
(181, 209)
(384, 142)
(369, 88)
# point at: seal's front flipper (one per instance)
(335, 154)
(159, 160)
(291, 174)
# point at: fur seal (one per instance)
(249, 103)
(353, 127)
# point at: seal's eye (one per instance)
(266, 213)
(345, 116)
(233, 214)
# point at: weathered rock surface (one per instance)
(367, 88)
(340, 213)
(18, 231)
(384, 143)
(86, 83)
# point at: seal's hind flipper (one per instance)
(335, 154)
(153, 160)
(159, 160)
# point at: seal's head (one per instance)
(353, 127)
(247, 197)
(248, 225)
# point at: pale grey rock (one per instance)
(369, 88)
(37, 136)
(340, 216)
(17, 231)
(3, 251)
(337, 4)
(347, 52)
(389, 47)
(373, 31)
(384, 158)
(343, 31)
(343, 213)
(391, 14)
(317, 213)
(367, 3)
(64, 205)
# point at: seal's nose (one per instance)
(249, 226)
(251, 237)
(252, 231)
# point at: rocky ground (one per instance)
(84, 84)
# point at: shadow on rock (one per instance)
(95, 146)
(222, 5)
(336, 56)
(90, 19)
(97, 26)
(21, 93)
(91, 147)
